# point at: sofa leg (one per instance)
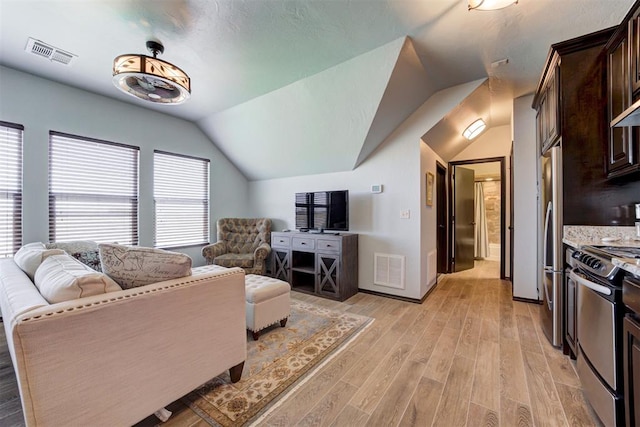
(235, 372)
(283, 322)
(256, 335)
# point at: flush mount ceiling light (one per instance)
(490, 4)
(474, 129)
(150, 78)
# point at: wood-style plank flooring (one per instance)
(467, 356)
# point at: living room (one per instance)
(369, 130)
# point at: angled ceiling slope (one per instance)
(445, 138)
(407, 89)
(328, 122)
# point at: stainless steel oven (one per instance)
(599, 315)
(570, 306)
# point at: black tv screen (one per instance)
(323, 210)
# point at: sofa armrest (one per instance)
(209, 252)
(151, 344)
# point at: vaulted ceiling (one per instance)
(304, 76)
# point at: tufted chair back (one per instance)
(244, 235)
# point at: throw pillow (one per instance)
(63, 278)
(30, 256)
(133, 266)
(85, 251)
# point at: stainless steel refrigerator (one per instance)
(552, 261)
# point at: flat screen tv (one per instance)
(323, 210)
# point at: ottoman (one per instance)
(268, 302)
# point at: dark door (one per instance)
(463, 182)
(441, 214)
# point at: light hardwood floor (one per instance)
(468, 355)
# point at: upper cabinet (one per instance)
(622, 147)
(623, 97)
(548, 108)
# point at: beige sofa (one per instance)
(114, 359)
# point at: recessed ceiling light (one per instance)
(474, 129)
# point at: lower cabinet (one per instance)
(631, 330)
(323, 264)
(281, 268)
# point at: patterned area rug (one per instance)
(278, 360)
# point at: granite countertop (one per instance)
(628, 264)
(579, 236)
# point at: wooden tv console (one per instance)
(323, 264)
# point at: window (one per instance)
(93, 190)
(10, 188)
(181, 195)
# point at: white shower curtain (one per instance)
(481, 234)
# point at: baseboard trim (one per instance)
(398, 297)
(527, 300)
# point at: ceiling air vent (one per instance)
(40, 48)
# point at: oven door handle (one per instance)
(594, 286)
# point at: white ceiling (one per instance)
(238, 50)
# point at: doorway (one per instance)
(441, 218)
(477, 211)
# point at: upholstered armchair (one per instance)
(242, 242)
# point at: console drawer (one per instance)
(281, 241)
(303, 243)
(328, 245)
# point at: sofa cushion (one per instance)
(30, 256)
(85, 251)
(63, 278)
(133, 266)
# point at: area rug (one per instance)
(280, 359)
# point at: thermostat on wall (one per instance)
(377, 188)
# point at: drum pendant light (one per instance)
(490, 4)
(151, 79)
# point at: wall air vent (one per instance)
(389, 270)
(40, 48)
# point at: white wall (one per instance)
(41, 105)
(375, 217)
(495, 142)
(429, 221)
(525, 194)
(399, 165)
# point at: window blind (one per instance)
(93, 190)
(181, 195)
(10, 188)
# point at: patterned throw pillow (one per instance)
(63, 278)
(85, 251)
(133, 266)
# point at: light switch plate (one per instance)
(376, 188)
(405, 214)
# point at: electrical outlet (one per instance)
(405, 214)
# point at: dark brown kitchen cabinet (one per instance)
(634, 53)
(622, 147)
(631, 364)
(573, 83)
(548, 109)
